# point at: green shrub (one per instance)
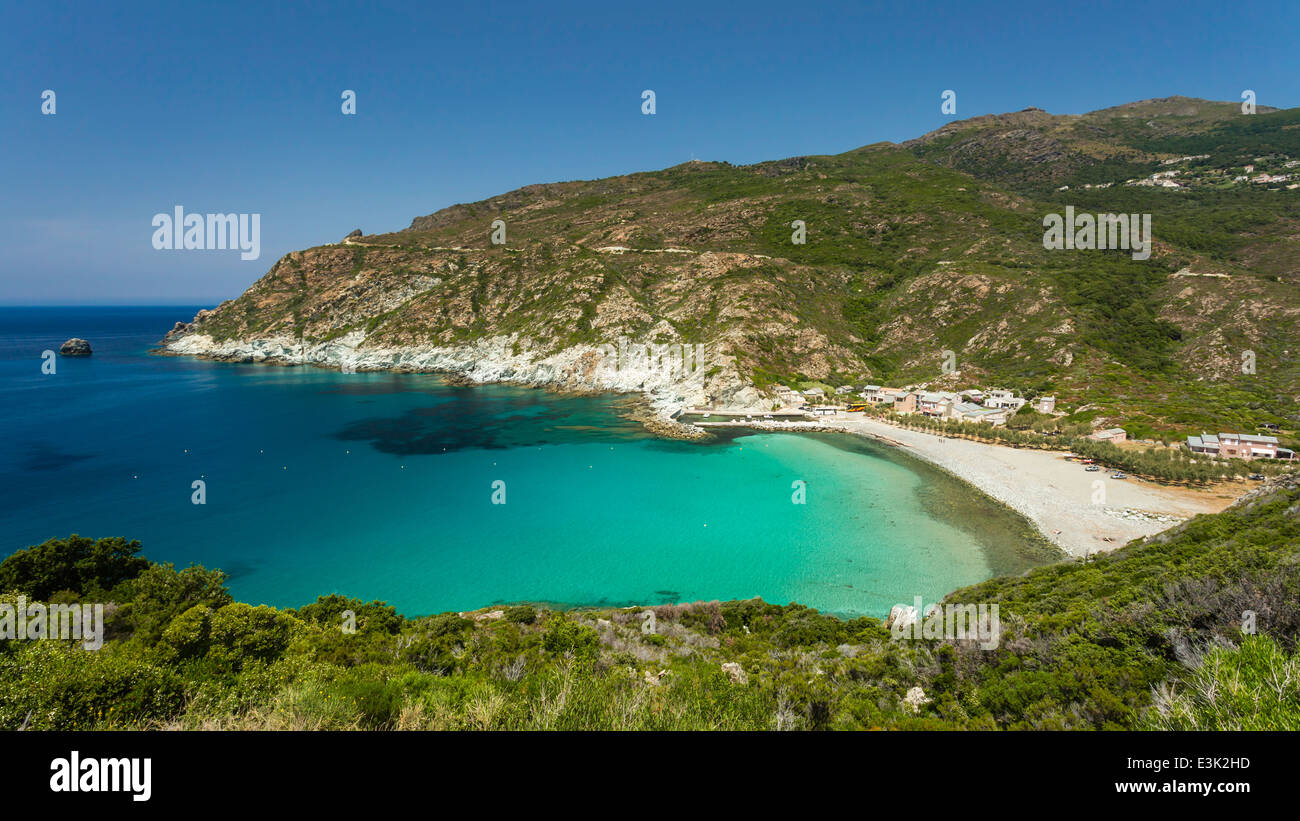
(521, 614)
(378, 702)
(189, 635)
(240, 632)
(565, 636)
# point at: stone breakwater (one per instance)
(501, 359)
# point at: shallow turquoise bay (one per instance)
(380, 486)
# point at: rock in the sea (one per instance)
(737, 673)
(75, 347)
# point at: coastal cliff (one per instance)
(509, 359)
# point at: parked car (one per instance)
(1118, 475)
(1258, 477)
(1092, 467)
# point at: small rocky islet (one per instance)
(75, 347)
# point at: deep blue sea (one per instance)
(381, 486)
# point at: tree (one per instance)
(89, 568)
(328, 612)
(162, 593)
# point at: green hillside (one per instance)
(912, 249)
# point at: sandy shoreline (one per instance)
(1056, 495)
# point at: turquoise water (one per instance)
(381, 485)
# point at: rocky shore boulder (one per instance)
(75, 347)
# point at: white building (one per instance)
(787, 396)
(1006, 400)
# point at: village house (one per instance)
(877, 395)
(787, 396)
(814, 394)
(1238, 446)
(971, 412)
(842, 389)
(904, 402)
(1111, 435)
(1247, 446)
(999, 398)
(931, 403)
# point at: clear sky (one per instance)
(235, 106)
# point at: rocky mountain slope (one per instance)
(913, 249)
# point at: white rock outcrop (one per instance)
(499, 359)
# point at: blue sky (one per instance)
(235, 107)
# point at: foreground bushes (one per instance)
(52, 685)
